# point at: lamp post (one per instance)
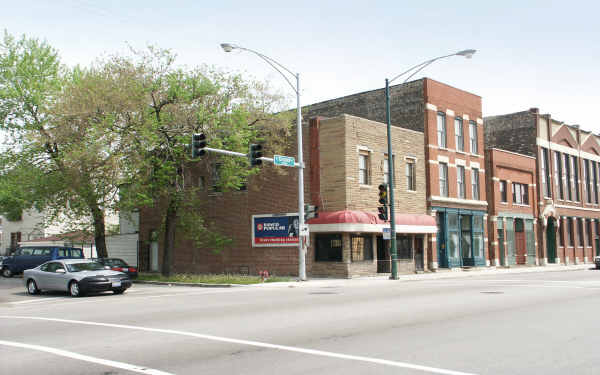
(228, 47)
(468, 53)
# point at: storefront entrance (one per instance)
(460, 238)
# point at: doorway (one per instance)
(551, 240)
(520, 244)
(383, 256)
(419, 256)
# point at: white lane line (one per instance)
(36, 300)
(81, 357)
(321, 353)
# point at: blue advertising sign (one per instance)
(275, 230)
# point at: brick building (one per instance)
(512, 208)
(451, 123)
(566, 181)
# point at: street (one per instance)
(521, 323)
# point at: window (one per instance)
(561, 237)
(546, 174)
(580, 232)
(404, 247)
(569, 181)
(473, 135)
(475, 183)
(520, 193)
(478, 236)
(411, 183)
(441, 129)
(570, 232)
(328, 248)
(503, 191)
(386, 170)
(42, 251)
(363, 168)
(575, 170)
(595, 181)
(558, 175)
(588, 180)
(589, 232)
(460, 180)
(465, 242)
(443, 179)
(458, 130)
(361, 248)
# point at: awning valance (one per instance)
(363, 221)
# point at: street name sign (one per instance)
(286, 161)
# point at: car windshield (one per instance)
(115, 262)
(88, 266)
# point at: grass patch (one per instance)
(210, 278)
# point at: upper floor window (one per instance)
(386, 166)
(441, 129)
(587, 180)
(546, 187)
(443, 179)
(558, 175)
(475, 183)
(458, 130)
(568, 179)
(520, 193)
(411, 183)
(503, 191)
(473, 136)
(363, 167)
(460, 180)
(575, 169)
(595, 181)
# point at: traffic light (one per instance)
(254, 154)
(310, 211)
(198, 145)
(383, 200)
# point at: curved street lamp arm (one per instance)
(274, 64)
(420, 66)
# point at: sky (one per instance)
(543, 54)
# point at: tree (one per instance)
(230, 111)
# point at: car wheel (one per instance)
(32, 287)
(6, 272)
(119, 291)
(74, 289)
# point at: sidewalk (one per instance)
(441, 274)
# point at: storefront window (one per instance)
(362, 248)
(453, 235)
(477, 236)
(404, 245)
(465, 243)
(328, 248)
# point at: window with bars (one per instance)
(443, 179)
(361, 248)
(328, 248)
(458, 130)
(475, 183)
(441, 129)
(473, 136)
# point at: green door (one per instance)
(551, 240)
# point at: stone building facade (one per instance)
(512, 208)
(567, 181)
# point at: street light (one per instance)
(468, 53)
(228, 47)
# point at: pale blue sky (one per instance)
(542, 54)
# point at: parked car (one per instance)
(76, 276)
(118, 264)
(32, 256)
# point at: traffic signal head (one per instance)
(254, 154)
(310, 211)
(383, 194)
(383, 212)
(198, 145)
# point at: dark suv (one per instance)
(32, 256)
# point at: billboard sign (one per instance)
(275, 230)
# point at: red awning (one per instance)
(362, 221)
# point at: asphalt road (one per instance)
(538, 323)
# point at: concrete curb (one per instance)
(198, 285)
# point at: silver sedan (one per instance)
(76, 276)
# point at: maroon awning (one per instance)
(355, 220)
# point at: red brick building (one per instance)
(567, 181)
(512, 208)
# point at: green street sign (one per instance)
(286, 161)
